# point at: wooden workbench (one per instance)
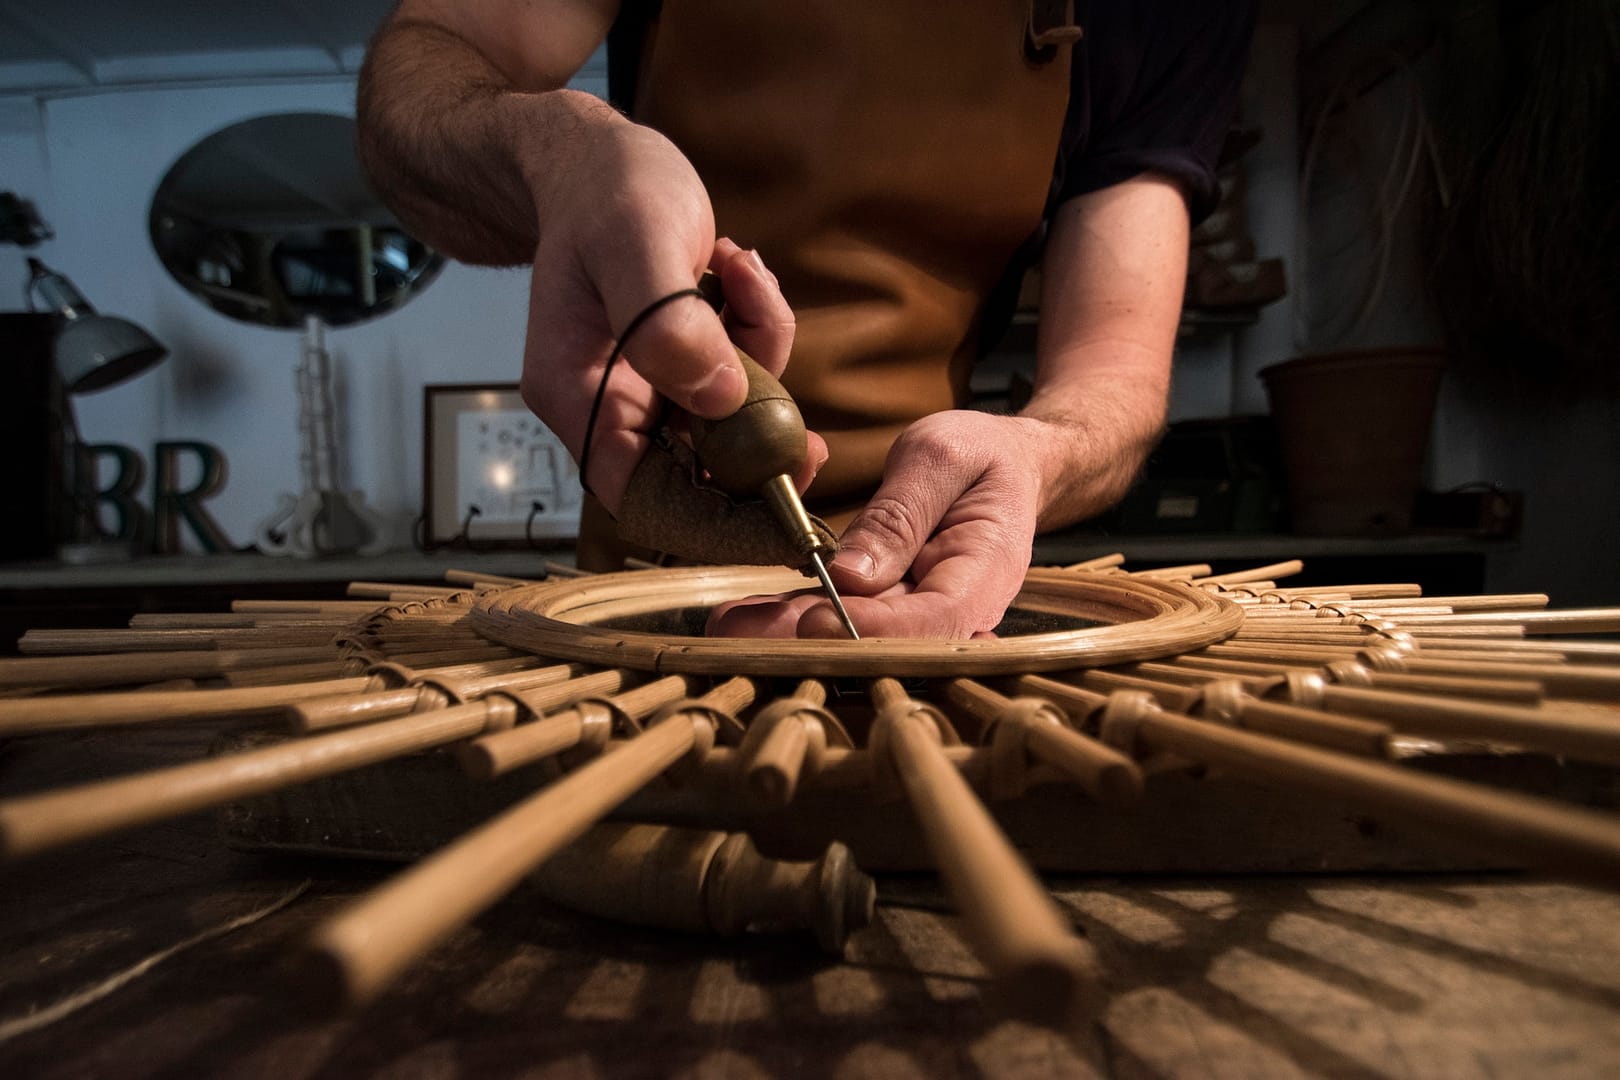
(1220, 976)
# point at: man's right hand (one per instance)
(631, 224)
(470, 135)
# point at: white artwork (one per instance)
(508, 462)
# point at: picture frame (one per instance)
(493, 475)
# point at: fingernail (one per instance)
(855, 561)
(760, 269)
(721, 392)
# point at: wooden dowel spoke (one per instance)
(499, 753)
(1583, 735)
(64, 712)
(358, 952)
(83, 671)
(777, 748)
(1033, 729)
(1018, 933)
(1581, 843)
(36, 823)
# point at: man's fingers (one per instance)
(564, 356)
(682, 350)
(758, 317)
(680, 347)
(962, 597)
(927, 472)
(760, 616)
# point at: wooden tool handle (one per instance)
(762, 440)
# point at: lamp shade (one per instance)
(96, 351)
(92, 350)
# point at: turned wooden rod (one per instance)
(360, 950)
(1100, 771)
(1471, 650)
(1596, 681)
(1587, 652)
(1025, 943)
(34, 823)
(1177, 697)
(288, 674)
(1483, 602)
(706, 882)
(443, 657)
(1581, 843)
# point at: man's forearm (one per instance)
(1115, 265)
(1105, 419)
(462, 157)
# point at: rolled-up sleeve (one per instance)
(1155, 88)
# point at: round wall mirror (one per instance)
(270, 220)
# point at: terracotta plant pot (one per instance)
(1354, 429)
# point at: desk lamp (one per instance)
(91, 352)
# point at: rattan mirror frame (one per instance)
(1144, 618)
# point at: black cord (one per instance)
(536, 508)
(618, 351)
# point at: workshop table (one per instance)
(1345, 976)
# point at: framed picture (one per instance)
(492, 473)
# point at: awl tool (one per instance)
(757, 450)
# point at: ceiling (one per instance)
(65, 45)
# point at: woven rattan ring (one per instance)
(1121, 619)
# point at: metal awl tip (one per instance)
(832, 594)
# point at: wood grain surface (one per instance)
(1284, 976)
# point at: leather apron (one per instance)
(887, 160)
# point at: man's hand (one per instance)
(468, 130)
(615, 246)
(941, 549)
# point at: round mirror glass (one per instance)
(271, 220)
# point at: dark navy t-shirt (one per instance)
(1153, 88)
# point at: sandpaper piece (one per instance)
(667, 508)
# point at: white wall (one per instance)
(95, 161)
